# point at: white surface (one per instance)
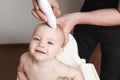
(47, 10)
(70, 54)
(89, 72)
(17, 23)
(70, 57)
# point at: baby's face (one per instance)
(46, 42)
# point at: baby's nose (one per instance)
(41, 44)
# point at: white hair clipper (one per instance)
(47, 10)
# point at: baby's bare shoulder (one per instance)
(21, 61)
(24, 57)
(63, 69)
(71, 72)
(75, 73)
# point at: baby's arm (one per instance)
(20, 71)
(75, 74)
(21, 74)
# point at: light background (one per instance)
(17, 23)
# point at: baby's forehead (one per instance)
(46, 28)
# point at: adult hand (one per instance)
(37, 13)
(67, 23)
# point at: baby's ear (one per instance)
(60, 52)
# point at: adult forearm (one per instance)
(105, 17)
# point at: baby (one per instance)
(40, 63)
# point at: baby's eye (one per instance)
(49, 42)
(36, 39)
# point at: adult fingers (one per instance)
(55, 6)
(37, 13)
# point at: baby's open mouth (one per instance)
(40, 52)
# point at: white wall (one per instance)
(17, 23)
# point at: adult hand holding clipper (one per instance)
(42, 8)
